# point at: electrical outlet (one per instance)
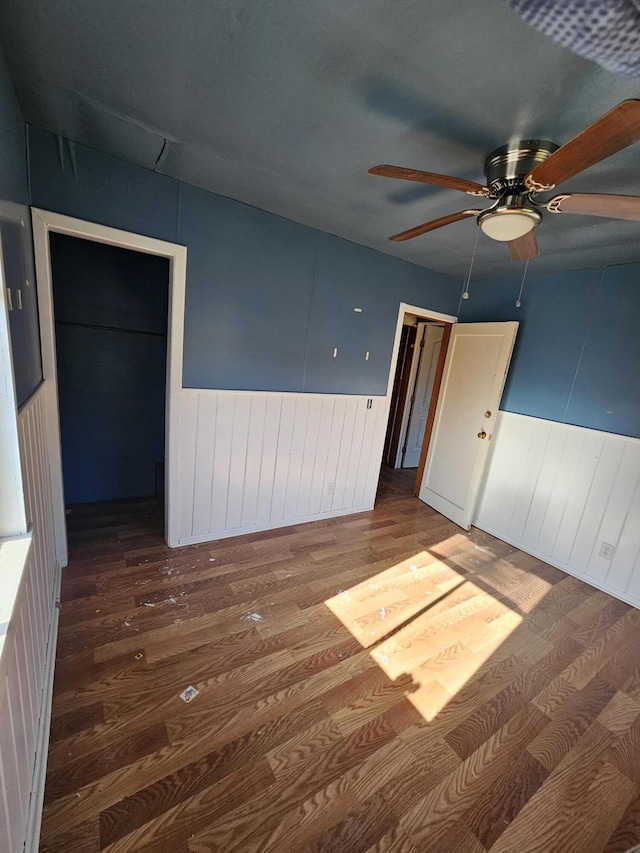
(607, 550)
(331, 487)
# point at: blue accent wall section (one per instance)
(111, 319)
(607, 388)
(249, 283)
(17, 251)
(13, 163)
(267, 299)
(577, 354)
(78, 181)
(347, 277)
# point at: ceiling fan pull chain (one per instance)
(465, 287)
(524, 275)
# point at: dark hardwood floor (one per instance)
(378, 682)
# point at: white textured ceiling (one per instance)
(285, 105)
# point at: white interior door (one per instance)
(429, 344)
(475, 370)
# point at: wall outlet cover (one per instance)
(607, 550)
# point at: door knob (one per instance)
(487, 414)
(482, 434)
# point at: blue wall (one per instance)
(267, 299)
(577, 354)
(15, 231)
(111, 321)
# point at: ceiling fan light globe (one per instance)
(508, 224)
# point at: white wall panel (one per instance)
(255, 460)
(559, 492)
(29, 648)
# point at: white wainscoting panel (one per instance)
(29, 649)
(37, 483)
(255, 460)
(559, 492)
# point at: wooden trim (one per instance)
(437, 382)
(44, 222)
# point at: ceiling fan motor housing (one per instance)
(507, 167)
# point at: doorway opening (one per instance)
(460, 413)
(111, 314)
(417, 374)
(45, 226)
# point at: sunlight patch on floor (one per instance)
(379, 605)
(439, 624)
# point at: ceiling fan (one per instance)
(517, 173)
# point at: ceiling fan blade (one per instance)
(433, 224)
(616, 130)
(524, 247)
(597, 204)
(461, 184)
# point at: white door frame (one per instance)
(423, 313)
(45, 222)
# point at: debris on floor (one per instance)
(139, 656)
(252, 617)
(189, 693)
